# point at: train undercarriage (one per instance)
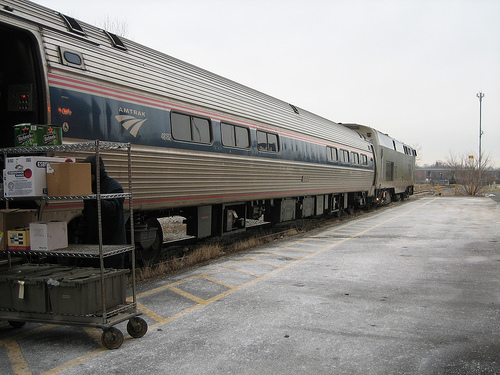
(228, 218)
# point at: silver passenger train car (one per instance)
(203, 147)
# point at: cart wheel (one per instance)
(112, 338)
(16, 324)
(137, 327)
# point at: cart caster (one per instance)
(16, 324)
(137, 327)
(112, 338)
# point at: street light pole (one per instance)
(480, 95)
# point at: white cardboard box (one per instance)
(48, 235)
(26, 176)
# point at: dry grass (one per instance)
(204, 253)
(450, 190)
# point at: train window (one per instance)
(364, 159)
(332, 154)
(272, 141)
(354, 158)
(335, 154)
(262, 141)
(398, 146)
(115, 39)
(267, 141)
(71, 58)
(200, 129)
(72, 24)
(242, 136)
(235, 136)
(345, 156)
(385, 140)
(190, 128)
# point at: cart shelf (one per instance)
(115, 315)
(79, 251)
(82, 146)
(108, 316)
(67, 197)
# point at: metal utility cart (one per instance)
(109, 316)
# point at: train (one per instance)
(203, 147)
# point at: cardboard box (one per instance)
(18, 239)
(52, 135)
(26, 176)
(69, 179)
(28, 135)
(48, 235)
(14, 218)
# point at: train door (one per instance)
(21, 87)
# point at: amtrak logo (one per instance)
(131, 123)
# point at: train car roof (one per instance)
(383, 139)
(155, 74)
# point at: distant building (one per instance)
(437, 174)
(444, 175)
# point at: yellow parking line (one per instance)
(321, 239)
(149, 312)
(14, 350)
(297, 249)
(265, 262)
(230, 286)
(177, 316)
(201, 301)
(19, 364)
(287, 256)
(170, 285)
(243, 271)
(75, 362)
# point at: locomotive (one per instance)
(203, 147)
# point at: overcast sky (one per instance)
(411, 69)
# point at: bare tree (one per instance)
(469, 175)
(418, 149)
(118, 27)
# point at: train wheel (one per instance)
(388, 198)
(137, 327)
(16, 324)
(152, 254)
(112, 338)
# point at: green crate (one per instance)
(23, 287)
(80, 294)
(8, 277)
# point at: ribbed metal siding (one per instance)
(166, 178)
(157, 74)
(207, 178)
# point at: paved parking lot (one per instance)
(409, 289)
